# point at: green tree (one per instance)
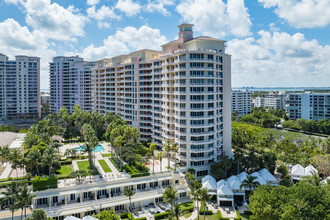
(226, 163)
(250, 183)
(70, 153)
(205, 198)
(160, 158)
(90, 142)
(168, 149)
(152, 148)
(283, 170)
(129, 193)
(216, 171)
(176, 210)
(9, 196)
(79, 174)
(119, 142)
(39, 214)
(107, 215)
(195, 189)
(24, 199)
(169, 195)
(50, 157)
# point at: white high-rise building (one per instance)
(241, 102)
(19, 87)
(182, 93)
(310, 106)
(70, 83)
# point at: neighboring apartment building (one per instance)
(45, 99)
(241, 102)
(19, 87)
(182, 93)
(271, 100)
(70, 83)
(310, 106)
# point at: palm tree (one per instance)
(24, 199)
(239, 155)
(168, 149)
(4, 153)
(174, 149)
(160, 158)
(10, 196)
(313, 180)
(250, 182)
(35, 158)
(176, 210)
(129, 193)
(152, 148)
(50, 157)
(226, 163)
(90, 142)
(195, 189)
(14, 158)
(70, 152)
(169, 195)
(119, 142)
(204, 198)
(79, 174)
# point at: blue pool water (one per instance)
(98, 148)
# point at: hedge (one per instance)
(247, 212)
(124, 215)
(162, 215)
(188, 209)
(3, 185)
(238, 216)
(44, 183)
(66, 161)
(220, 216)
(207, 212)
(129, 216)
(139, 175)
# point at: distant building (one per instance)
(241, 102)
(271, 100)
(45, 99)
(70, 83)
(298, 172)
(310, 106)
(19, 87)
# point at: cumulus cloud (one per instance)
(159, 6)
(19, 40)
(215, 18)
(301, 14)
(55, 21)
(93, 2)
(102, 25)
(124, 41)
(129, 7)
(102, 13)
(15, 2)
(279, 57)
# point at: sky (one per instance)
(273, 43)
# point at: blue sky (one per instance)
(272, 42)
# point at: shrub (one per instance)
(162, 215)
(143, 218)
(207, 212)
(220, 216)
(44, 183)
(66, 161)
(238, 216)
(124, 215)
(139, 175)
(188, 209)
(247, 212)
(129, 170)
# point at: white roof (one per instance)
(224, 189)
(310, 170)
(222, 182)
(298, 170)
(267, 175)
(209, 185)
(242, 176)
(234, 182)
(259, 178)
(71, 218)
(208, 178)
(90, 218)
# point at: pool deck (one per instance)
(106, 146)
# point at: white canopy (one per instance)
(298, 170)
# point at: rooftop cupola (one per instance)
(186, 32)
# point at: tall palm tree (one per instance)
(226, 163)
(9, 195)
(119, 142)
(169, 195)
(176, 210)
(4, 153)
(204, 198)
(129, 193)
(90, 142)
(160, 158)
(174, 150)
(239, 155)
(195, 188)
(168, 149)
(152, 148)
(50, 157)
(250, 183)
(14, 158)
(24, 199)
(35, 158)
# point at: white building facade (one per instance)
(241, 102)
(19, 87)
(181, 94)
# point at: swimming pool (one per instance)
(98, 148)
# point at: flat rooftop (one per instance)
(6, 138)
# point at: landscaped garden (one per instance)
(65, 171)
(105, 166)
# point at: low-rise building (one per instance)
(241, 102)
(298, 172)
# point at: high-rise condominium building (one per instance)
(19, 87)
(70, 83)
(310, 106)
(241, 102)
(181, 94)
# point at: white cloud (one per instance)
(159, 6)
(102, 25)
(55, 21)
(215, 18)
(301, 14)
(93, 2)
(102, 13)
(19, 40)
(15, 2)
(279, 59)
(129, 7)
(124, 41)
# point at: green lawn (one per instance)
(65, 170)
(187, 215)
(187, 204)
(105, 166)
(208, 217)
(84, 165)
(244, 217)
(108, 154)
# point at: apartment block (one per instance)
(19, 87)
(241, 102)
(271, 100)
(310, 106)
(70, 83)
(181, 94)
